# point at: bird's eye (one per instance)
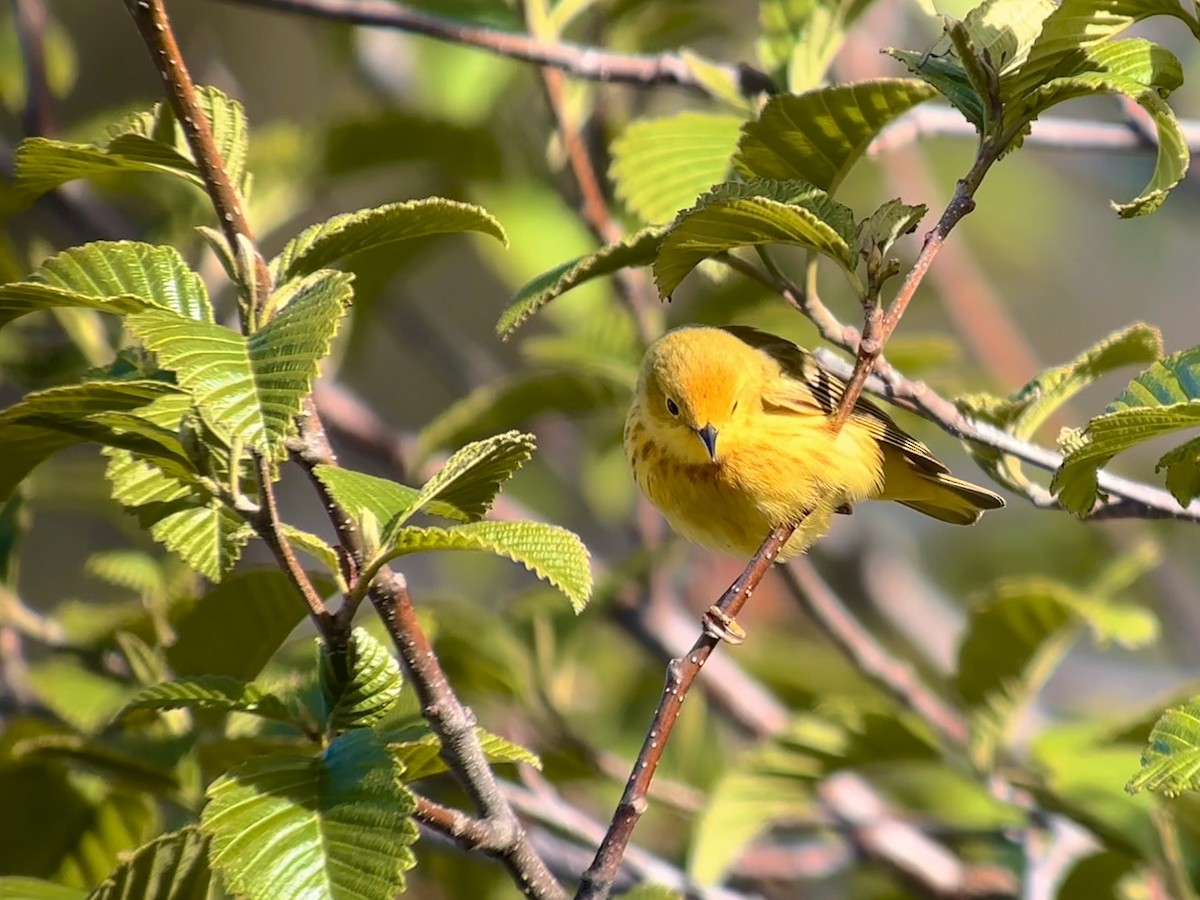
(672, 407)
(733, 408)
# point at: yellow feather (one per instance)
(730, 436)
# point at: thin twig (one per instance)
(868, 655)
(681, 672)
(574, 59)
(29, 19)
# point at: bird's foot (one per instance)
(722, 627)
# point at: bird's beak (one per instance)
(708, 435)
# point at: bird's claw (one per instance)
(722, 627)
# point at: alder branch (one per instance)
(576, 60)
(681, 673)
(450, 720)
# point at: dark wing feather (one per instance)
(818, 391)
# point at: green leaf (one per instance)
(1171, 761)
(314, 547)
(180, 513)
(144, 142)
(15, 887)
(660, 166)
(638, 249)
(1023, 413)
(418, 749)
(68, 828)
(335, 825)
(237, 626)
(1137, 69)
(85, 699)
(116, 271)
(878, 233)
(769, 785)
(651, 892)
(1097, 877)
(250, 389)
(360, 684)
(1017, 636)
(324, 244)
(146, 765)
(552, 553)
(748, 214)
(1076, 26)
(171, 867)
(470, 479)
(799, 38)
(1163, 399)
(217, 693)
(818, 136)
(381, 499)
(44, 422)
(391, 137)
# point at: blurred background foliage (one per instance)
(345, 118)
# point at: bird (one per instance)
(731, 434)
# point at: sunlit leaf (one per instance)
(218, 693)
(552, 553)
(324, 244)
(799, 38)
(171, 867)
(360, 684)
(751, 213)
(336, 825)
(1163, 399)
(818, 136)
(1171, 762)
(419, 750)
(660, 166)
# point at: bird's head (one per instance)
(696, 385)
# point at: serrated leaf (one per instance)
(171, 867)
(513, 401)
(14, 887)
(324, 244)
(1016, 637)
(376, 501)
(1171, 761)
(769, 785)
(470, 479)
(799, 38)
(1137, 69)
(747, 214)
(1163, 399)
(1023, 413)
(419, 750)
(47, 421)
(879, 232)
(360, 684)
(155, 275)
(660, 166)
(335, 825)
(314, 547)
(145, 142)
(638, 249)
(819, 135)
(552, 553)
(179, 513)
(250, 389)
(1075, 26)
(79, 844)
(234, 628)
(216, 693)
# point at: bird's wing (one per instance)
(809, 389)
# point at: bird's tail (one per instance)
(935, 493)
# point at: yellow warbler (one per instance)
(730, 435)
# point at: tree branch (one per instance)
(574, 59)
(598, 879)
